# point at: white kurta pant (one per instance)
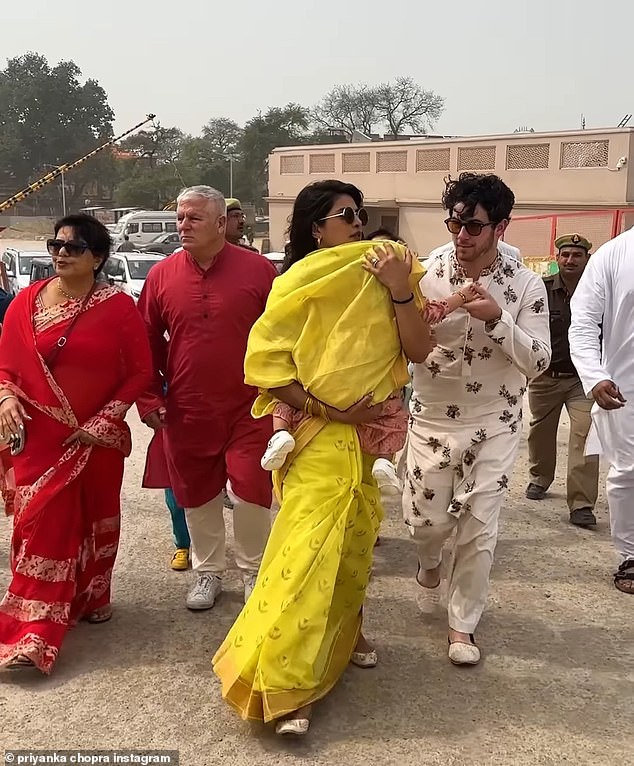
(459, 486)
(206, 524)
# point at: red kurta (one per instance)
(210, 435)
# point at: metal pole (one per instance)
(230, 176)
(63, 194)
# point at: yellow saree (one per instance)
(329, 325)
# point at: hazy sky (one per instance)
(499, 65)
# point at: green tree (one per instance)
(279, 126)
(49, 117)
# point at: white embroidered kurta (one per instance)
(602, 348)
(605, 297)
(466, 408)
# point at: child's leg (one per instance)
(282, 441)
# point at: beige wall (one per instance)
(548, 172)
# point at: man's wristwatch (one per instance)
(492, 323)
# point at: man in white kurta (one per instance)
(466, 408)
(602, 350)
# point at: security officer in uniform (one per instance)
(559, 386)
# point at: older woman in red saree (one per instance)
(74, 357)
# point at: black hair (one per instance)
(92, 231)
(385, 234)
(485, 189)
(312, 205)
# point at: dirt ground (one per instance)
(554, 687)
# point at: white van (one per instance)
(144, 225)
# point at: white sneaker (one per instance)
(280, 444)
(204, 592)
(384, 473)
(249, 581)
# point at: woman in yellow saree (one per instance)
(333, 342)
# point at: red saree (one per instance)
(67, 501)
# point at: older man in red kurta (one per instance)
(199, 305)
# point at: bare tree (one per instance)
(348, 108)
(403, 105)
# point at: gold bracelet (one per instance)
(323, 411)
(8, 396)
(309, 406)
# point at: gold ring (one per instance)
(374, 261)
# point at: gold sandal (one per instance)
(98, 616)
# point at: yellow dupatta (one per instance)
(330, 326)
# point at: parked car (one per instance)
(41, 268)
(129, 270)
(277, 259)
(18, 267)
(164, 243)
(143, 226)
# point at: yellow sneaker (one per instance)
(180, 560)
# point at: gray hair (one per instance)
(207, 192)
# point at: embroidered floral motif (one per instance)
(434, 368)
(469, 487)
(453, 411)
(455, 506)
(473, 387)
(447, 352)
(503, 482)
(508, 271)
(535, 346)
(30, 610)
(538, 306)
(541, 365)
(417, 473)
(469, 353)
(46, 570)
(428, 493)
(470, 334)
(105, 526)
(415, 510)
(506, 416)
(434, 443)
(417, 405)
(506, 394)
(480, 436)
(469, 457)
(486, 353)
(446, 459)
(510, 296)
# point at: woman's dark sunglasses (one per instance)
(349, 214)
(473, 228)
(74, 248)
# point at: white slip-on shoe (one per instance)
(384, 474)
(280, 444)
(427, 599)
(204, 592)
(461, 653)
(296, 726)
(364, 659)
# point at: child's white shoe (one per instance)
(384, 473)
(280, 444)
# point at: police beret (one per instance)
(573, 240)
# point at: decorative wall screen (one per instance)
(527, 157)
(291, 163)
(391, 162)
(585, 154)
(356, 162)
(476, 158)
(432, 159)
(321, 163)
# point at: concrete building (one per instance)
(576, 181)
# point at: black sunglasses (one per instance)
(74, 248)
(349, 214)
(473, 227)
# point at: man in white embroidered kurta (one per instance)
(466, 408)
(603, 305)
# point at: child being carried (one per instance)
(383, 437)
